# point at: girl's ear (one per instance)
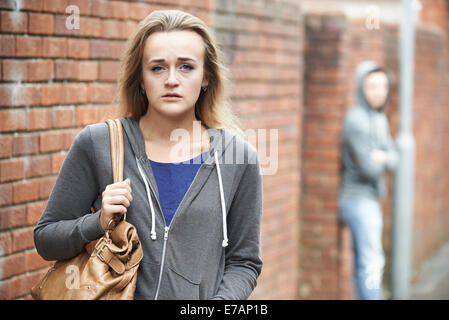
(205, 82)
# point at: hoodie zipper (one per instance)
(165, 239)
(162, 262)
(167, 229)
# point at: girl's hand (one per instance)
(116, 198)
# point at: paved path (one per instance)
(433, 281)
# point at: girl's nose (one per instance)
(172, 80)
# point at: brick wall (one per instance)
(335, 45)
(263, 45)
(323, 112)
(55, 81)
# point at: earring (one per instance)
(142, 90)
(204, 88)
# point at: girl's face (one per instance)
(173, 71)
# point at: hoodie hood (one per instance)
(363, 70)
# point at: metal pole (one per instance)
(404, 175)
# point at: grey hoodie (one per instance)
(188, 260)
(365, 129)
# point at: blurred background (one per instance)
(292, 64)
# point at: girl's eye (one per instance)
(186, 67)
(156, 68)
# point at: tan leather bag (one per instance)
(107, 268)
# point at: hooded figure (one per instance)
(367, 151)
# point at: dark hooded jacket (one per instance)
(365, 129)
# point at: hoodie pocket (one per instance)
(182, 286)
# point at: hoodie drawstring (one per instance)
(223, 204)
(153, 224)
(222, 200)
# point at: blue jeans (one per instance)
(364, 218)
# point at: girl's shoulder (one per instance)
(92, 135)
(243, 146)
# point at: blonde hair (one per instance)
(212, 107)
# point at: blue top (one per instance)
(173, 180)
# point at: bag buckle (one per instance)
(100, 247)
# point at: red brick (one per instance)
(34, 5)
(20, 285)
(41, 23)
(12, 169)
(138, 11)
(85, 115)
(46, 186)
(12, 21)
(58, 6)
(52, 94)
(57, 160)
(87, 70)
(5, 243)
(91, 27)
(22, 239)
(41, 70)
(29, 46)
(13, 95)
(63, 117)
(5, 194)
(34, 211)
(54, 47)
(84, 6)
(39, 119)
(101, 92)
(77, 48)
(12, 265)
(12, 217)
(106, 49)
(119, 10)
(51, 141)
(14, 70)
(6, 146)
(69, 136)
(25, 144)
(113, 29)
(38, 166)
(109, 70)
(25, 191)
(8, 4)
(66, 69)
(75, 93)
(7, 46)
(101, 9)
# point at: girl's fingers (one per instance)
(119, 192)
(115, 209)
(122, 184)
(117, 200)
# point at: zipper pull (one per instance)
(166, 233)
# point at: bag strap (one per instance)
(117, 150)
